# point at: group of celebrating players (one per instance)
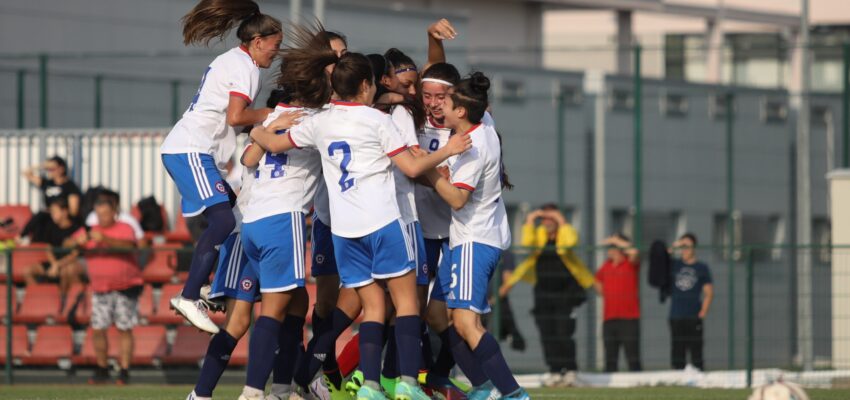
(402, 170)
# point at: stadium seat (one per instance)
(162, 265)
(87, 356)
(189, 347)
(20, 346)
(239, 357)
(180, 232)
(146, 309)
(149, 346)
(76, 308)
(23, 257)
(164, 314)
(4, 305)
(20, 215)
(40, 305)
(53, 344)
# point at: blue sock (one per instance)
(221, 223)
(443, 366)
(261, 352)
(215, 362)
(290, 339)
(427, 352)
(323, 354)
(371, 340)
(408, 334)
(490, 357)
(390, 353)
(465, 359)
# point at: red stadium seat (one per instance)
(20, 215)
(164, 314)
(52, 345)
(25, 256)
(189, 347)
(40, 305)
(162, 265)
(239, 358)
(20, 346)
(4, 305)
(149, 345)
(87, 356)
(180, 232)
(146, 309)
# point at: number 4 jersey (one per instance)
(283, 182)
(356, 143)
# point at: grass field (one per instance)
(150, 392)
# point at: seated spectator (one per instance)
(61, 266)
(116, 282)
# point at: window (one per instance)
(750, 230)
(573, 96)
(822, 240)
(512, 91)
(718, 105)
(820, 116)
(774, 110)
(665, 226)
(674, 105)
(620, 100)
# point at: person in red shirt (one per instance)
(116, 282)
(617, 283)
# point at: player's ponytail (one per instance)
(471, 94)
(349, 73)
(211, 19)
(503, 171)
(302, 72)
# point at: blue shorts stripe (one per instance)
(194, 168)
(205, 182)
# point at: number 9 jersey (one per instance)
(356, 143)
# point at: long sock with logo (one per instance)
(215, 362)
(323, 351)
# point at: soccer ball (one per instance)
(779, 390)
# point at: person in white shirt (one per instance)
(358, 145)
(472, 186)
(197, 149)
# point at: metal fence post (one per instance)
(638, 150)
(561, 157)
(730, 222)
(42, 90)
(7, 253)
(750, 316)
(21, 78)
(98, 101)
(845, 102)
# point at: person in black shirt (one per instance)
(691, 294)
(61, 266)
(55, 183)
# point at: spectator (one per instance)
(691, 295)
(61, 266)
(116, 282)
(617, 282)
(55, 183)
(122, 216)
(560, 288)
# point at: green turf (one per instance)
(139, 392)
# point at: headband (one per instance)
(407, 69)
(440, 81)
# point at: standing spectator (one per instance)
(55, 183)
(560, 279)
(691, 295)
(617, 282)
(61, 266)
(115, 280)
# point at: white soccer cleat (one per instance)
(319, 390)
(212, 304)
(193, 396)
(195, 312)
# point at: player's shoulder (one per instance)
(235, 58)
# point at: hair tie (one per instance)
(440, 81)
(406, 69)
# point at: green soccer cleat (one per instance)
(388, 385)
(367, 393)
(354, 383)
(336, 393)
(406, 391)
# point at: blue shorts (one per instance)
(437, 253)
(233, 277)
(414, 231)
(276, 250)
(383, 254)
(198, 180)
(467, 281)
(324, 261)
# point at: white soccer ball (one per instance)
(779, 390)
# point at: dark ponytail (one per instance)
(211, 19)
(471, 94)
(382, 66)
(351, 70)
(399, 60)
(302, 72)
(503, 171)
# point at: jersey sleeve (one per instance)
(487, 119)
(301, 135)
(405, 125)
(466, 171)
(240, 82)
(390, 137)
(706, 279)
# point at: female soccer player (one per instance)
(204, 139)
(358, 144)
(478, 233)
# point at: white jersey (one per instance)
(483, 219)
(203, 127)
(284, 182)
(356, 143)
(244, 195)
(404, 186)
(435, 215)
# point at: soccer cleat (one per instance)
(444, 388)
(484, 392)
(333, 392)
(212, 304)
(367, 393)
(354, 383)
(195, 312)
(193, 396)
(100, 377)
(406, 391)
(123, 378)
(299, 393)
(388, 386)
(251, 394)
(519, 394)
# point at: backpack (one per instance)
(151, 213)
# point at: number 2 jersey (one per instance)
(356, 143)
(203, 127)
(283, 182)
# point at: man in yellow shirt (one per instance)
(560, 279)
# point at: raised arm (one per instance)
(31, 175)
(437, 32)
